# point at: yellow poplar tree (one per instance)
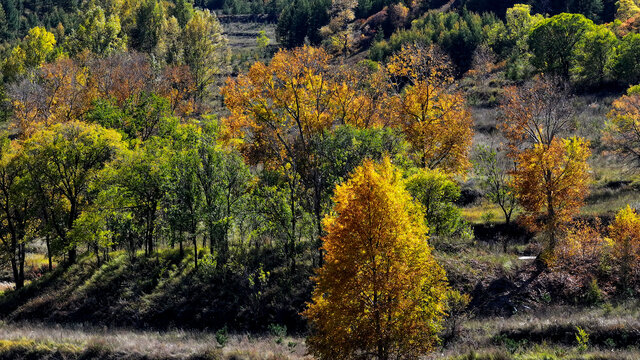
(380, 292)
(551, 182)
(625, 237)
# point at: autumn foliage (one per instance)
(552, 177)
(429, 111)
(380, 293)
(622, 134)
(625, 237)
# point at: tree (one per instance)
(593, 55)
(536, 113)
(436, 192)
(224, 181)
(626, 61)
(148, 26)
(434, 118)
(380, 294)
(493, 169)
(592, 9)
(97, 32)
(551, 176)
(140, 177)
(342, 14)
(625, 235)
(183, 198)
(183, 11)
(553, 41)
(62, 161)
(37, 45)
(60, 93)
(205, 49)
(551, 182)
(293, 24)
(622, 132)
(278, 109)
(17, 208)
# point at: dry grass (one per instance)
(176, 344)
(550, 334)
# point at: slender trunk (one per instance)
(14, 268)
(195, 250)
(97, 251)
(73, 254)
(21, 257)
(292, 244)
(181, 247)
(318, 212)
(48, 241)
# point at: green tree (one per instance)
(183, 11)
(98, 33)
(148, 26)
(140, 177)
(17, 208)
(553, 42)
(626, 61)
(293, 24)
(38, 45)
(182, 195)
(205, 49)
(593, 54)
(435, 190)
(224, 181)
(63, 160)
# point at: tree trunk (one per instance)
(195, 250)
(48, 241)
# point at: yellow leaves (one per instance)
(38, 44)
(380, 285)
(625, 235)
(553, 179)
(433, 117)
(622, 133)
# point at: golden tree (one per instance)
(552, 175)
(551, 183)
(380, 293)
(432, 115)
(276, 110)
(622, 133)
(625, 236)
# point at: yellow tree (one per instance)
(277, 109)
(625, 236)
(551, 182)
(380, 292)
(360, 95)
(622, 133)
(432, 115)
(61, 93)
(551, 176)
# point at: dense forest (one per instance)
(340, 179)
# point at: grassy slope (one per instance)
(162, 291)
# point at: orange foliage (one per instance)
(581, 249)
(433, 117)
(278, 107)
(536, 113)
(551, 183)
(625, 236)
(380, 293)
(66, 89)
(62, 95)
(622, 133)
